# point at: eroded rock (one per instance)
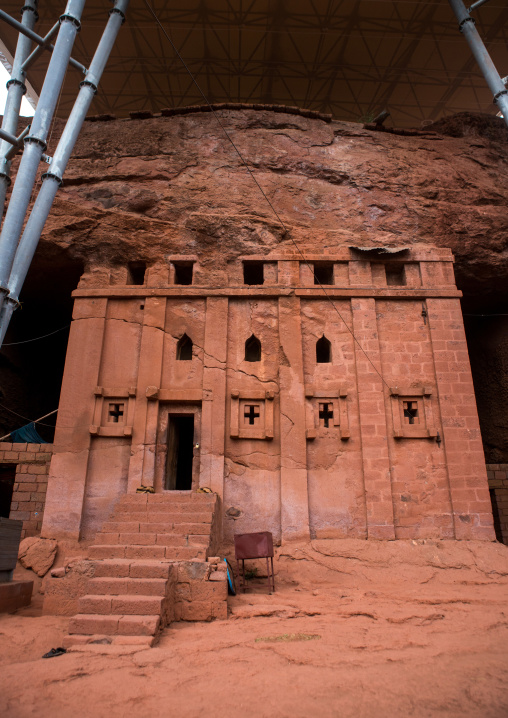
(37, 554)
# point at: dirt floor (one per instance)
(355, 628)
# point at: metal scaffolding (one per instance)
(17, 246)
(467, 27)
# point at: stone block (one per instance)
(14, 595)
(137, 605)
(138, 625)
(91, 624)
(150, 569)
(95, 604)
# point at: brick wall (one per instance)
(31, 482)
(498, 486)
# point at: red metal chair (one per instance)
(256, 545)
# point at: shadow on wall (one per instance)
(31, 371)
(487, 339)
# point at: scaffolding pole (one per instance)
(35, 142)
(52, 179)
(482, 57)
(16, 88)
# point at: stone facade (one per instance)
(325, 395)
(30, 483)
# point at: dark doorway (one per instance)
(180, 452)
(7, 478)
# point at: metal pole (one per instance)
(482, 57)
(53, 178)
(477, 5)
(15, 90)
(35, 143)
(40, 48)
(41, 41)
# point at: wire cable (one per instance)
(26, 341)
(31, 421)
(286, 231)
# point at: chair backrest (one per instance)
(256, 545)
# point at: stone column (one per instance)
(213, 411)
(144, 431)
(373, 426)
(471, 505)
(293, 449)
(68, 470)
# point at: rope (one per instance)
(37, 421)
(286, 232)
(26, 341)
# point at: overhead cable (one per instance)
(286, 231)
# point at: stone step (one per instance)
(99, 643)
(170, 517)
(128, 568)
(108, 585)
(124, 605)
(119, 625)
(150, 524)
(167, 499)
(142, 539)
(163, 510)
(170, 537)
(173, 553)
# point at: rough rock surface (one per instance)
(358, 629)
(37, 554)
(137, 189)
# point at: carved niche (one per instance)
(328, 410)
(412, 413)
(113, 412)
(252, 414)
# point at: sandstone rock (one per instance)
(137, 188)
(37, 554)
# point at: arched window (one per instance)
(323, 351)
(184, 348)
(252, 349)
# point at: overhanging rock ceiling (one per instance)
(351, 58)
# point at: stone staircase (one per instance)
(136, 555)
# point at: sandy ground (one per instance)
(355, 628)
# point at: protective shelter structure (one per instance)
(319, 392)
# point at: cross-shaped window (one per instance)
(410, 411)
(325, 414)
(251, 413)
(115, 413)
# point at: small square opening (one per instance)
(183, 272)
(323, 273)
(136, 273)
(395, 275)
(253, 273)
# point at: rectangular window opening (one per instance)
(183, 272)
(323, 273)
(136, 273)
(253, 273)
(395, 275)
